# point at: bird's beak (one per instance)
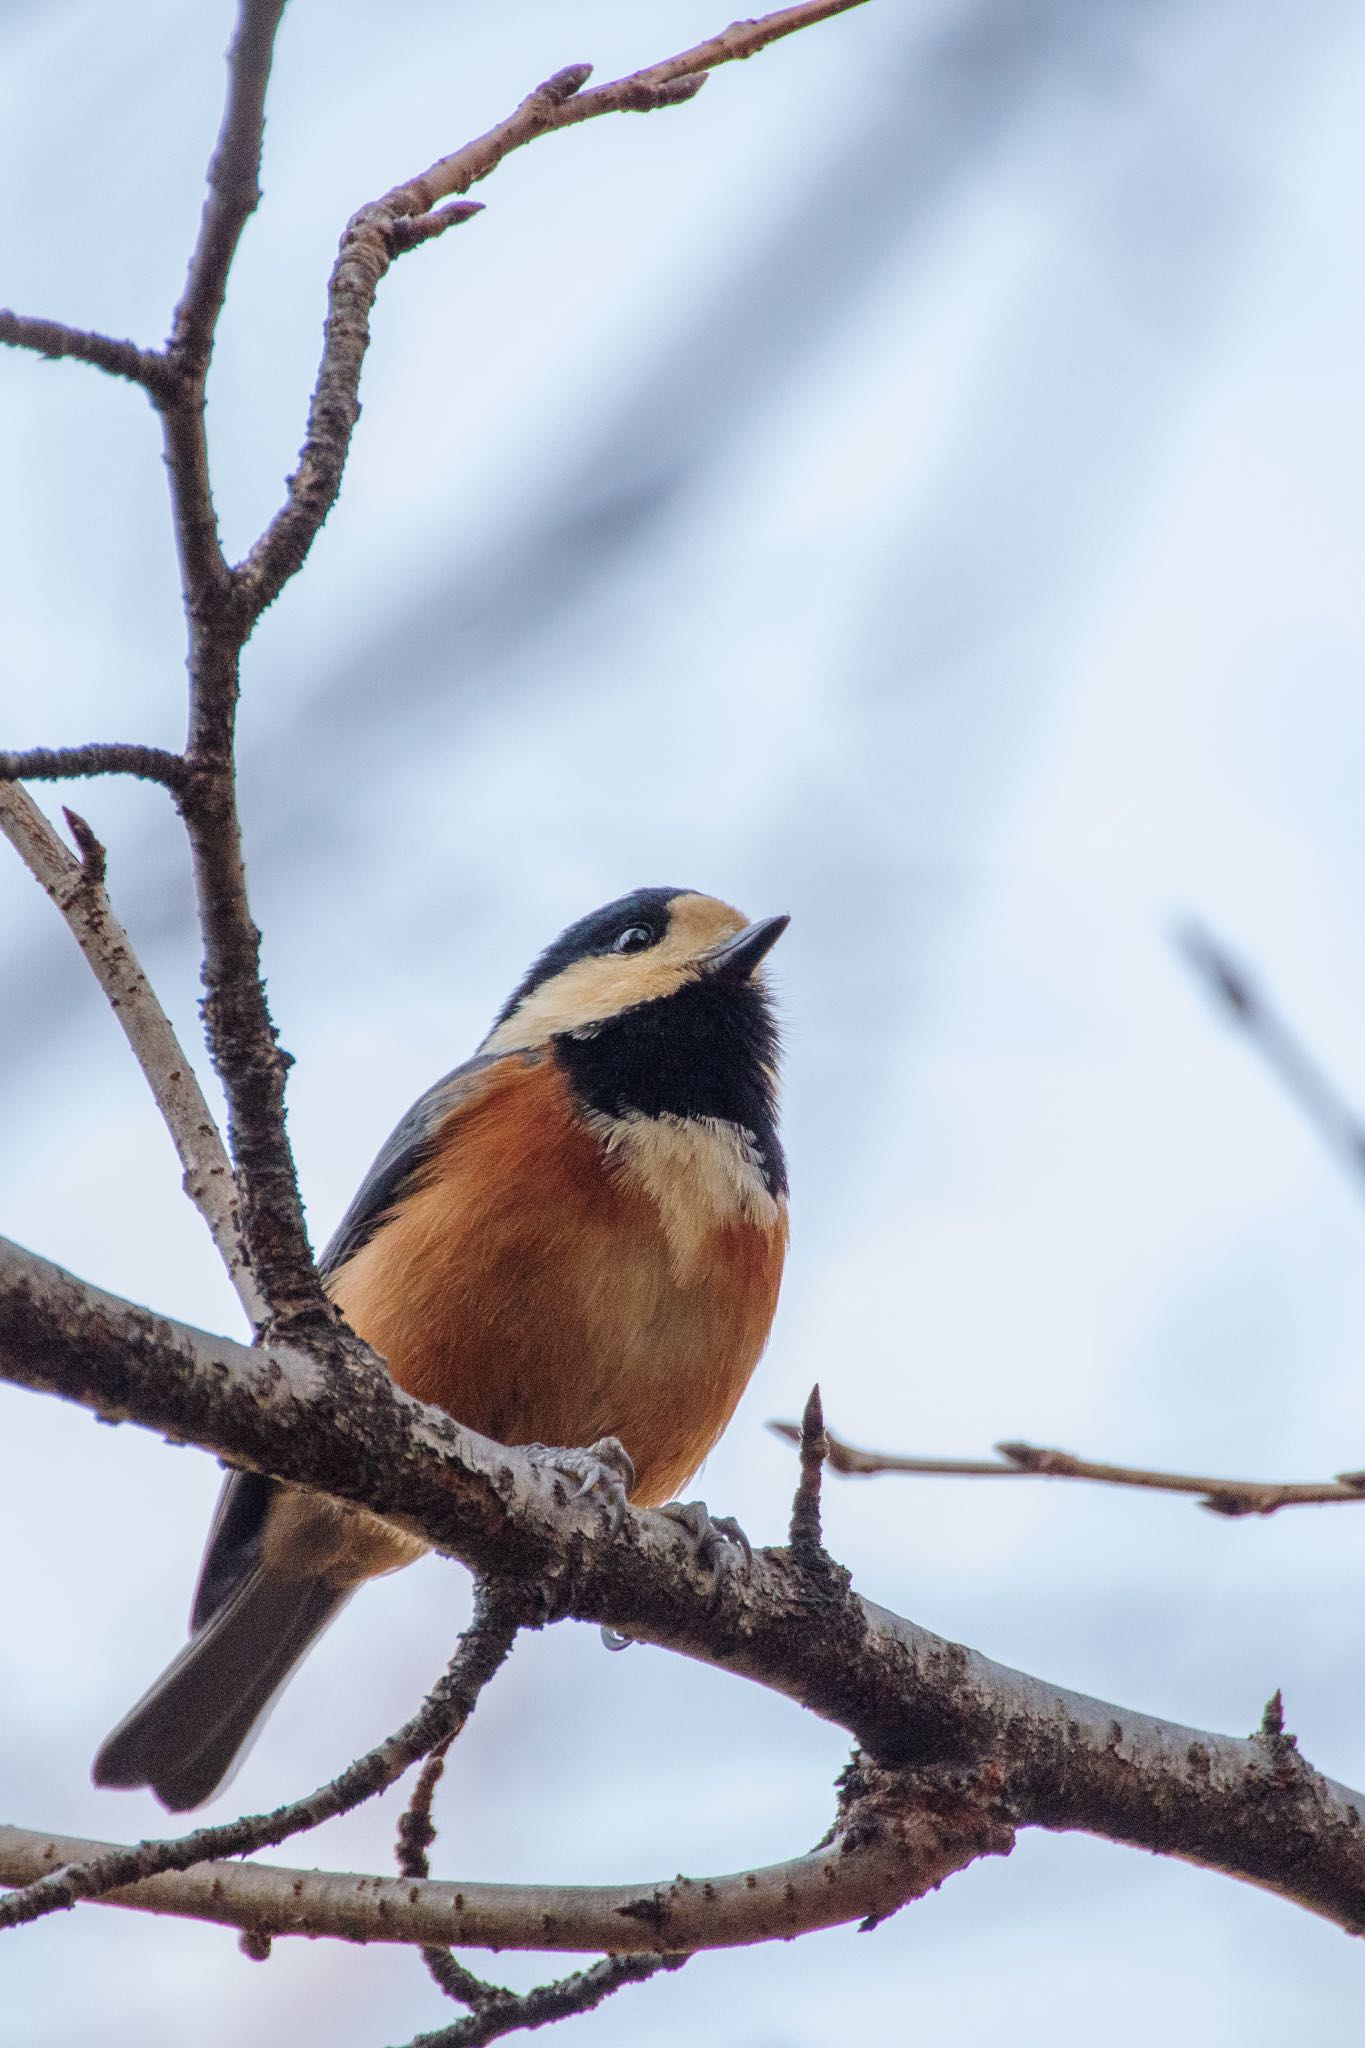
(735, 959)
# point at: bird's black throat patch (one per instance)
(707, 1050)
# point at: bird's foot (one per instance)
(604, 1470)
(719, 1545)
(718, 1542)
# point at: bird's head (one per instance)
(656, 1006)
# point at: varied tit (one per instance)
(578, 1234)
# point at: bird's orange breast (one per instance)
(556, 1279)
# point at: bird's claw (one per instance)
(605, 1470)
(718, 1542)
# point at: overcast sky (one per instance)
(914, 487)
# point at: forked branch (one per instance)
(951, 1733)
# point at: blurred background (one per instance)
(915, 487)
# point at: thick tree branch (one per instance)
(77, 889)
(1230, 1497)
(863, 1871)
(53, 339)
(1252, 1808)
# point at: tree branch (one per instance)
(53, 339)
(77, 889)
(102, 757)
(233, 179)
(241, 1035)
(497, 2010)
(1230, 1497)
(416, 1833)
(804, 1533)
(1056, 1759)
(582, 1992)
(861, 1872)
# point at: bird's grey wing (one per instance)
(403, 1154)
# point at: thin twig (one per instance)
(1307, 1084)
(805, 1520)
(1231, 1497)
(416, 1833)
(77, 889)
(53, 339)
(581, 1992)
(234, 190)
(102, 757)
(481, 1650)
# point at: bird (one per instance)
(576, 1236)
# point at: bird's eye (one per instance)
(633, 939)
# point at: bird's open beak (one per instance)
(736, 958)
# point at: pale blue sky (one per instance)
(915, 487)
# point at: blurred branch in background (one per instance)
(1303, 1079)
(1230, 1497)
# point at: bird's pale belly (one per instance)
(573, 1304)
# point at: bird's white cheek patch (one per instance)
(700, 1172)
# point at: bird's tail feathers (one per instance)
(188, 1731)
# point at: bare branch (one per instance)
(1231, 1497)
(234, 182)
(857, 1874)
(582, 1992)
(1309, 1087)
(689, 68)
(406, 215)
(416, 1833)
(496, 2010)
(102, 757)
(1055, 1759)
(245, 1050)
(238, 1027)
(482, 1649)
(77, 889)
(53, 339)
